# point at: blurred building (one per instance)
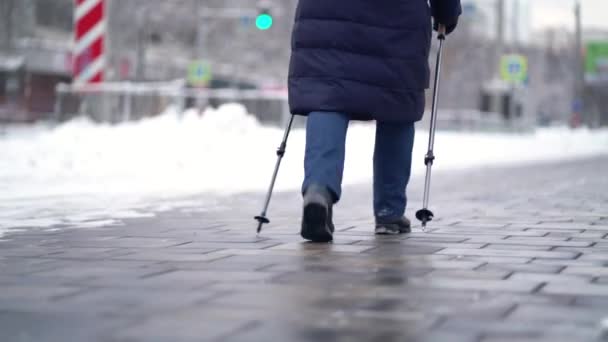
(155, 40)
(34, 58)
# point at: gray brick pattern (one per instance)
(516, 254)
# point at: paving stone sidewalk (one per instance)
(516, 254)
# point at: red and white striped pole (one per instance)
(89, 41)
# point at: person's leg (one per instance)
(325, 149)
(324, 165)
(392, 167)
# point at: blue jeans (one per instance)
(324, 160)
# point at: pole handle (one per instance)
(442, 30)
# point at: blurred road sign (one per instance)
(199, 73)
(596, 61)
(247, 21)
(514, 68)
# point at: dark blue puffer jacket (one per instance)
(366, 58)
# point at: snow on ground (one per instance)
(83, 172)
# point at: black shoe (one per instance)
(400, 226)
(317, 225)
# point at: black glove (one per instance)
(446, 12)
(450, 26)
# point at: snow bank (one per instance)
(83, 171)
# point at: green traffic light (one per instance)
(264, 21)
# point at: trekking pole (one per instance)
(425, 215)
(262, 219)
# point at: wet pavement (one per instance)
(516, 254)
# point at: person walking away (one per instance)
(361, 60)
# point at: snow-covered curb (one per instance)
(109, 170)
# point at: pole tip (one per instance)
(424, 216)
(262, 220)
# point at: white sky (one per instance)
(559, 13)
(537, 15)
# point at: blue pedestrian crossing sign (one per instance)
(199, 73)
(514, 68)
